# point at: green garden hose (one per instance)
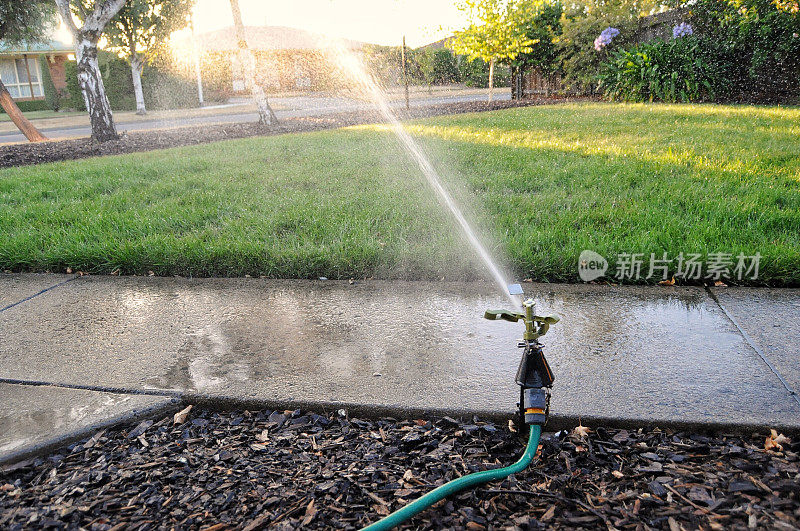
(451, 487)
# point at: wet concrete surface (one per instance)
(647, 354)
(35, 418)
(771, 319)
(16, 288)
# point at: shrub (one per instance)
(74, 96)
(679, 70)
(166, 90)
(51, 95)
(761, 43)
(581, 25)
(444, 68)
(31, 105)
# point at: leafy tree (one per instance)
(543, 28)
(20, 22)
(93, 19)
(139, 29)
(496, 33)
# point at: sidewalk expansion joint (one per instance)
(45, 290)
(755, 347)
(99, 388)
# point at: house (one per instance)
(286, 58)
(21, 67)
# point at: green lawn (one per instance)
(541, 183)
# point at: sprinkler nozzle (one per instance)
(535, 325)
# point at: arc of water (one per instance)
(353, 66)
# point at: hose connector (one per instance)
(535, 405)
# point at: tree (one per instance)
(543, 27)
(20, 22)
(496, 33)
(94, 19)
(248, 62)
(139, 28)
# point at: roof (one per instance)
(268, 38)
(437, 45)
(49, 46)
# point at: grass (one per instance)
(542, 183)
(37, 115)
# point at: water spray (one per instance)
(534, 378)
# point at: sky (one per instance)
(375, 21)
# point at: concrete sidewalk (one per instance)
(726, 357)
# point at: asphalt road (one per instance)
(287, 107)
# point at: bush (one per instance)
(74, 96)
(444, 68)
(51, 95)
(118, 83)
(685, 70)
(31, 105)
(165, 90)
(761, 44)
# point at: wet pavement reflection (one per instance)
(637, 352)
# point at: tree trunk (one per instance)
(248, 62)
(491, 79)
(94, 93)
(13, 112)
(136, 75)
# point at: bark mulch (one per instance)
(290, 469)
(58, 150)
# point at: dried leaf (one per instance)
(581, 431)
(670, 282)
(181, 416)
(775, 441)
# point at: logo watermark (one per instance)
(688, 266)
(591, 266)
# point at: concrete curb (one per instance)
(13, 459)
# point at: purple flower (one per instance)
(684, 29)
(605, 38)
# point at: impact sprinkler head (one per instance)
(535, 325)
(534, 374)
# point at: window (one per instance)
(21, 76)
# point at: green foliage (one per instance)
(476, 73)
(496, 33)
(166, 90)
(543, 27)
(582, 23)
(74, 96)
(761, 41)
(217, 81)
(444, 67)
(51, 95)
(142, 26)
(678, 70)
(26, 20)
(118, 83)
(30, 105)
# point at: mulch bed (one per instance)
(284, 469)
(58, 150)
